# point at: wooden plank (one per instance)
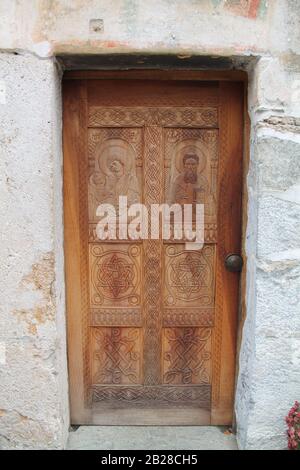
(74, 147)
(204, 76)
(153, 417)
(154, 93)
(227, 286)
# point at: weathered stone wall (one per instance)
(263, 37)
(216, 27)
(269, 373)
(33, 372)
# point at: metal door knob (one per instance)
(234, 263)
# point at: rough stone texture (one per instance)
(33, 379)
(275, 88)
(269, 375)
(261, 36)
(151, 438)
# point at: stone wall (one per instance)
(269, 373)
(33, 372)
(260, 36)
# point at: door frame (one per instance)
(205, 76)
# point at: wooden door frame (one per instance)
(226, 79)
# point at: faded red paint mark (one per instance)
(112, 43)
(248, 8)
(253, 8)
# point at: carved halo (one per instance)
(107, 152)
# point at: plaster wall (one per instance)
(33, 372)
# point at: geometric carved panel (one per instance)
(116, 356)
(186, 356)
(115, 275)
(189, 277)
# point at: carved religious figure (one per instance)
(189, 177)
(189, 187)
(114, 175)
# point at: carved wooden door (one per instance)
(151, 325)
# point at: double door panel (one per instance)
(151, 323)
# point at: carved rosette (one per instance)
(115, 275)
(189, 277)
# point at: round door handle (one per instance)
(234, 263)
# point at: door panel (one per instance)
(151, 325)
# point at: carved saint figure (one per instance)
(189, 186)
(114, 175)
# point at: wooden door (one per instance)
(152, 326)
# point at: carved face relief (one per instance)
(117, 168)
(190, 164)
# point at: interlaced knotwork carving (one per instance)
(115, 275)
(152, 265)
(188, 317)
(189, 277)
(100, 116)
(116, 317)
(186, 355)
(153, 397)
(116, 356)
